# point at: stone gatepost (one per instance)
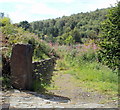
(21, 66)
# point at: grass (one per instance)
(52, 87)
(81, 61)
(94, 76)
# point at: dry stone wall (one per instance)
(44, 69)
(24, 71)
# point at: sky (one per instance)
(33, 10)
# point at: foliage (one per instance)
(12, 35)
(24, 24)
(38, 86)
(82, 62)
(110, 38)
(5, 66)
(5, 72)
(69, 40)
(1, 14)
(5, 21)
(75, 27)
(78, 54)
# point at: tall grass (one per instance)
(96, 76)
(81, 61)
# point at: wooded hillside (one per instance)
(69, 29)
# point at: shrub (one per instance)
(81, 54)
(109, 39)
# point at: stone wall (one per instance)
(43, 69)
(24, 72)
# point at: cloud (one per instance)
(16, 1)
(32, 10)
(108, 3)
(41, 8)
(99, 3)
(58, 1)
(38, 1)
(17, 17)
(35, 11)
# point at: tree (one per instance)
(77, 25)
(76, 35)
(110, 38)
(24, 24)
(69, 40)
(5, 21)
(2, 15)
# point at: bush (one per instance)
(81, 54)
(109, 39)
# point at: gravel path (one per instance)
(22, 99)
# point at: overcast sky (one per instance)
(32, 10)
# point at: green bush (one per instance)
(80, 55)
(109, 39)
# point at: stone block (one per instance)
(21, 66)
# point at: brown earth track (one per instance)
(67, 87)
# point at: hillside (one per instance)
(70, 29)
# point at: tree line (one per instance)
(68, 29)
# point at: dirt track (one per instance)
(66, 95)
(67, 87)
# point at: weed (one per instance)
(81, 62)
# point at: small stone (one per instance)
(47, 102)
(88, 95)
(16, 91)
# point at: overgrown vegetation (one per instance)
(81, 61)
(110, 39)
(75, 39)
(12, 35)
